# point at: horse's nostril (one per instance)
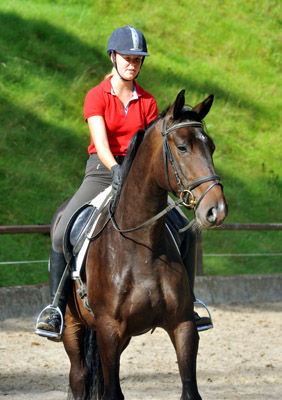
(212, 215)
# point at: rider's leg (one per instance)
(97, 178)
(188, 250)
(187, 243)
(53, 322)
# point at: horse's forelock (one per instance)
(188, 113)
(185, 113)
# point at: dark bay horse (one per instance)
(136, 280)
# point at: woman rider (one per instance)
(114, 111)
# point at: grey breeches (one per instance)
(97, 178)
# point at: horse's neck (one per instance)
(141, 198)
(137, 205)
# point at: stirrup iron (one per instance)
(49, 334)
(54, 306)
(208, 326)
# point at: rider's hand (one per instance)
(116, 176)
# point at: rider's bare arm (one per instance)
(99, 135)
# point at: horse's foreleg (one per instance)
(185, 339)
(110, 348)
(73, 342)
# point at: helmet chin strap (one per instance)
(115, 65)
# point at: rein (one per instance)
(149, 221)
(186, 196)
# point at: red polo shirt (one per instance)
(120, 126)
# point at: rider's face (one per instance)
(128, 65)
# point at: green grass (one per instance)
(239, 243)
(53, 52)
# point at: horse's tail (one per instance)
(94, 383)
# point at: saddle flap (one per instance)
(81, 227)
(82, 222)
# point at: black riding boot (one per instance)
(187, 244)
(188, 251)
(53, 321)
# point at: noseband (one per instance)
(186, 194)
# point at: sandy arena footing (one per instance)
(241, 358)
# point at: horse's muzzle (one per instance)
(212, 216)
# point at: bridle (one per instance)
(186, 196)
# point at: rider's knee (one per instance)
(57, 241)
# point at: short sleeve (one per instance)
(94, 103)
(152, 112)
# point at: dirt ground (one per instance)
(241, 358)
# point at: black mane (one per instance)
(133, 147)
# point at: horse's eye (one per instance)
(182, 149)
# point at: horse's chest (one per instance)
(141, 280)
(155, 288)
(146, 292)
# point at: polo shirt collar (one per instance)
(107, 86)
(134, 95)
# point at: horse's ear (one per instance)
(179, 104)
(203, 108)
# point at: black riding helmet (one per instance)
(128, 41)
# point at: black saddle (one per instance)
(77, 230)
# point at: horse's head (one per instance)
(189, 168)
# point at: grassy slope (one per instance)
(53, 52)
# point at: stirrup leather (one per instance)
(49, 334)
(208, 326)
